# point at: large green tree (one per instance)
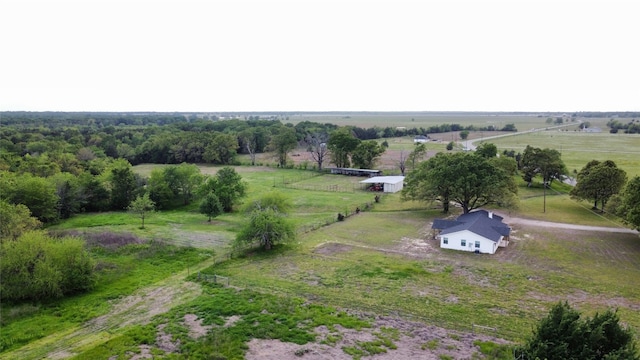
(341, 145)
(211, 206)
(487, 150)
(366, 153)
(544, 162)
(71, 198)
(227, 185)
(283, 141)
(417, 155)
(36, 193)
(564, 335)
(183, 180)
(630, 202)
(159, 191)
(268, 222)
(123, 184)
(253, 140)
(15, 220)
(598, 182)
(467, 179)
(222, 149)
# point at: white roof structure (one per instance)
(392, 184)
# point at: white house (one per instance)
(420, 139)
(478, 231)
(388, 184)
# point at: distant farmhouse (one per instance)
(420, 139)
(478, 231)
(592, 130)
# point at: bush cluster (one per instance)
(37, 266)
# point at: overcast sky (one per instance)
(306, 55)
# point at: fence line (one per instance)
(216, 279)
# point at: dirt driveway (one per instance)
(549, 224)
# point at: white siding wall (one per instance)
(392, 188)
(454, 242)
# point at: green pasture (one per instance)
(382, 261)
(372, 263)
(578, 148)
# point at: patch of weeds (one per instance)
(448, 269)
(388, 271)
(262, 316)
(393, 334)
(455, 337)
(331, 339)
(451, 347)
(370, 348)
(356, 352)
(494, 351)
(431, 344)
(445, 357)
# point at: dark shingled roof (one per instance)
(477, 222)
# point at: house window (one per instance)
(445, 240)
(477, 244)
(463, 242)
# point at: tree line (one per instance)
(631, 127)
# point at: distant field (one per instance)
(522, 122)
(579, 148)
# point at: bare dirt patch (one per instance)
(196, 329)
(145, 353)
(414, 341)
(164, 341)
(332, 248)
(232, 320)
(140, 308)
(581, 297)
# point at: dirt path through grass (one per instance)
(135, 309)
(549, 224)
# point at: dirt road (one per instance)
(549, 224)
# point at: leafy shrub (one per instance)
(38, 267)
(563, 335)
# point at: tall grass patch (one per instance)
(119, 272)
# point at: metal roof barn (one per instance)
(390, 184)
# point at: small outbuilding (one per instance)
(420, 139)
(388, 184)
(478, 231)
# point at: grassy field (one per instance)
(522, 122)
(579, 148)
(382, 262)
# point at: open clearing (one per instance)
(382, 265)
